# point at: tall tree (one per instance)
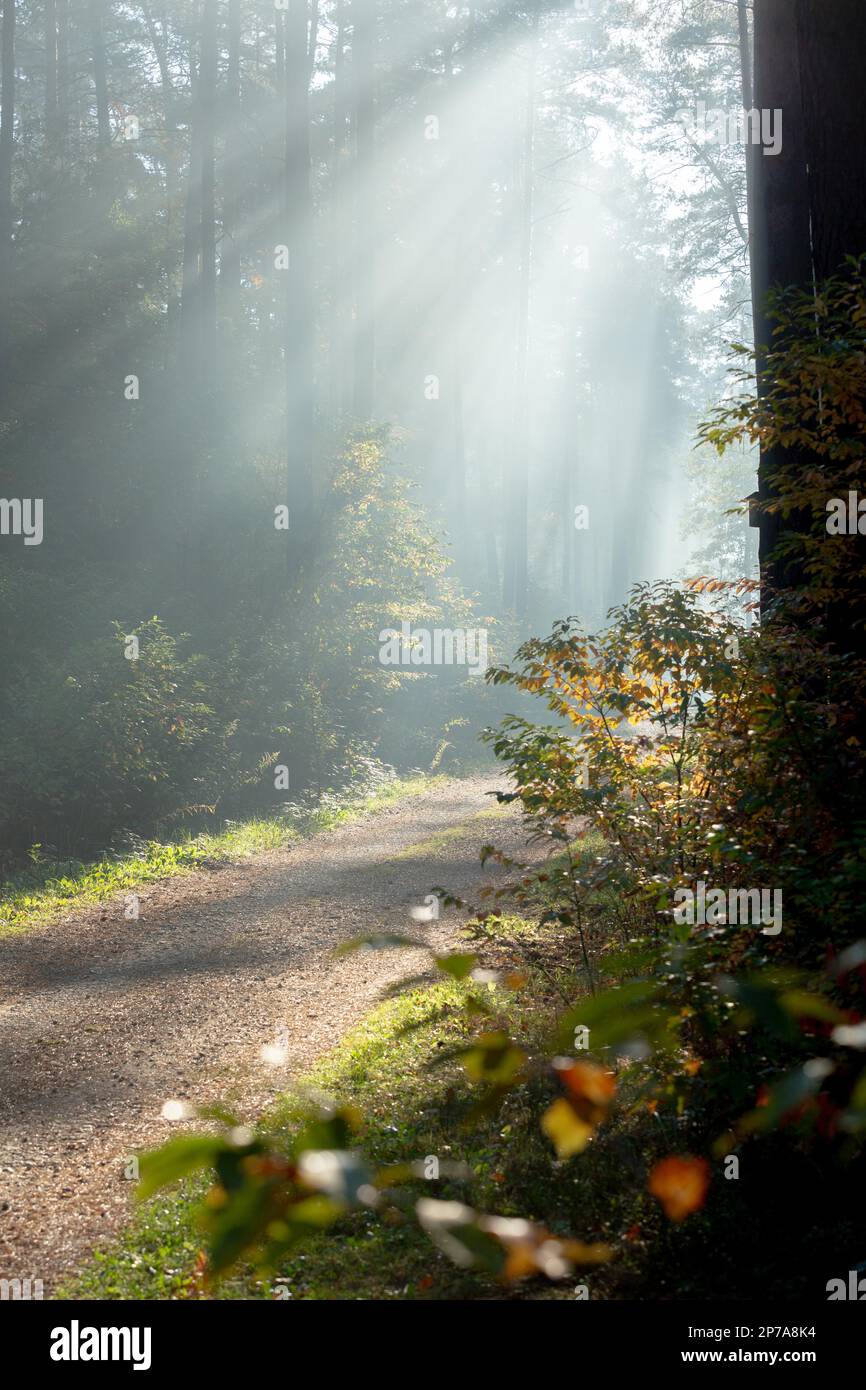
(198, 301)
(298, 343)
(230, 265)
(207, 118)
(832, 38)
(808, 203)
(364, 84)
(96, 12)
(339, 375)
(52, 128)
(197, 406)
(779, 217)
(63, 80)
(7, 150)
(515, 566)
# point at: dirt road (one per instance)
(102, 1020)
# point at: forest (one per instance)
(432, 587)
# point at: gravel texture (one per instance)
(102, 1020)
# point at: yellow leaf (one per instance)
(564, 1128)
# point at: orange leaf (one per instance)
(585, 1081)
(680, 1183)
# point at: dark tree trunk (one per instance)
(779, 214)
(808, 202)
(832, 37)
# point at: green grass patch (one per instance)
(434, 844)
(50, 889)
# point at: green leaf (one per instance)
(493, 1058)
(457, 965)
(176, 1160)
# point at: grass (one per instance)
(51, 889)
(434, 844)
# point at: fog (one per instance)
(321, 320)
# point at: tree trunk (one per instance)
(207, 116)
(364, 84)
(189, 395)
(515, 567)
(191, 251)
(780, 239)
(313, 41)
(198, 297)
(63, 92)
(461, 184)
(338, 219)
(100, 72)
(172, 152)
(7, 150)
(832, 37)
(298, 323)
(809, 201)
(752, 152)
(230, 261)
(51, 112)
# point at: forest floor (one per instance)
(103, 1020)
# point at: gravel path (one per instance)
(102, 1020)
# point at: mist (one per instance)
(319, 322)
